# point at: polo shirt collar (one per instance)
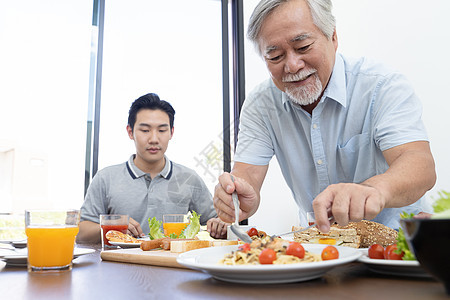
(336, 88)
(135, 172)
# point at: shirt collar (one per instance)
(135, 172)
(336, 88)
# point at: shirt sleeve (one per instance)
(397, 114)
(93, 204)
(255, 144)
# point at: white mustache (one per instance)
(302, 75)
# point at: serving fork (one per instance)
(235, 227)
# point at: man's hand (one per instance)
(134, 229)
(347, 202)
(223, 202)
(217, 228)
(410, 174)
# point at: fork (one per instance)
(235, 227)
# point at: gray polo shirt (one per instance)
(124, 189)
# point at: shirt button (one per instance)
(314, 126)
(319, 162)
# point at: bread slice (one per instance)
(336, 236)
(186, 245)
(220, 243)
(372, 233)
(183, 246)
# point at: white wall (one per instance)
(410, 35)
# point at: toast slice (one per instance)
(220, 243)
(183, 246)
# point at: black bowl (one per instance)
(429, 239)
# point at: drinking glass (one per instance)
(310, 217)
(112, 222)
(174, 223)
(51, 239)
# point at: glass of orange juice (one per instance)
(51, 239)
(174, 223)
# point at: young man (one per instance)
(148, 184)
(347, 133)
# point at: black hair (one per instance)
(150, 101)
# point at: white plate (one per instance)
(410, 268)
(22, 243)
(130, 245)
(19, 244)
(19, 258)
(126, 245)
(207, 259)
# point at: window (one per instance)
(171, 48)
(44, 76)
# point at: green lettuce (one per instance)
(155, 229)
(402, 244)
(192, 229)
(441, 206)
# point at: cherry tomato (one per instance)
(330, 252)
(245, 247)
(262, 234)
(387, 249)
(376, 251)
(252, 231)
(393, 255)
(267, 256)
(295, 249)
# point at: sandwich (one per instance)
(361, 234)
(372, 233)
(336, 236)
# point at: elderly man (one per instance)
(347, 132)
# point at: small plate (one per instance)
(19, 258)
(207, 260)
(410, 268)
(126, 245)
(19, 244)
(16, 243)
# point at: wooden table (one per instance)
(92, 278)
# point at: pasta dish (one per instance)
(256, 253)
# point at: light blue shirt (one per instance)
(365, 109)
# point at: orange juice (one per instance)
(176, 228)
(51, 246)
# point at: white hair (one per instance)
(320, 13)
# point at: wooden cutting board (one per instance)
(137, 256)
